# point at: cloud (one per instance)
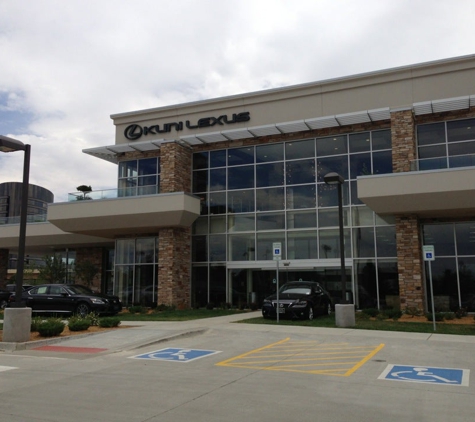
(70, 65)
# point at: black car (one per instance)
(299, 299)
(4, 296)
(69, 299)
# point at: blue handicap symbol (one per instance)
(176, 354)
(426, 374)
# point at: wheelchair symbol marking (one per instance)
(176, 354)
(422, 374)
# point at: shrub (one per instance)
(393, 314)
(449, 316)
(254, 306)
(460, 313)
(362, 316)
(35, 322)
(93, 318)
(210, 305)
(51, 327)
(372, 312)
(109, 322)
(137, 309)
(78, 324)
(162, 307)
(439, 316)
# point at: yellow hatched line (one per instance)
(330, 359)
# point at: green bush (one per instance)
(362, 316)
(94, 318)
(137, 309)
(372, 312)
(460, 313)
(109, 322)
(51, 327)
(449, 316)
(35, 322)
(393, 314)
(162, 307)
(439, 316)
(78, 324)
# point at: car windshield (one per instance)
(296, 290)
(79, 290)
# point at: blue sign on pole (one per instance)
(176, 354)
(426, 374)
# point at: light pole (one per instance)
(344, 313)
(17, 324)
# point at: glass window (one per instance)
(266, 153)
(329, 243)
(431, 134)
(362, 216)
(201, 226)
(302, 245)
(367, 292)
(301, 197)
(363, 242)
(328, 217)
(241, 201)
(301, 219)
(199, 286)
(354, 193)
(386, 241)
(466, 267)
(465, 235)
(461, 148)
(241, 247)
(432, 151)
(333, 145)
(270, 174)
(200, 181)
(328, 195)
(299, 149)
(270, 199)
(359, 142)
(217, 158)
(300, 172)
(264, 245)
(128, 169)
(125, 251)
(217, 224)
(241, 222)
(217, 247)
(382, 162)
(148, 166)
(217, 203)
(144, 250)
(338, 164)
(461, 130)
(217, 179)
(381, 139)
(200, 160)
(241, 177)
(238, 156)
(271, 221)
(444, 282)
(217, 284)
(199, 249)
(442, 237)
(360, 165)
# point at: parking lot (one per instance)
(214, 370)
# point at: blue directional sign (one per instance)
(426, 374)
(176, 354)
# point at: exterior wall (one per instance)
(3, 266)
(403, 140)
(96, 257)
(175, 168)
(174, 282)
(38, 197)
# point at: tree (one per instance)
(54, 270)
(86, 271)
(85, 190)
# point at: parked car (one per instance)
(11, 287)
(299, 299)
(4, 296)
(69, 299)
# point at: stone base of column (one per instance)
(345, 315)
(16, 325)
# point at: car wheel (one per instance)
(310, 313)
(3, 304)
(329, 309)
(83, 309)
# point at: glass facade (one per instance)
(453, 270)
(447, 144)
(255, 196)
(139, 177)
(136, 271)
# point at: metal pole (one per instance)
(277, 281)
(23, 217)
(342, 245)
(432, 295)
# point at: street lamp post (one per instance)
(17, 321)
(344, 313)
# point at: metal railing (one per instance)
(113, 193)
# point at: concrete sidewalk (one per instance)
(143, 333)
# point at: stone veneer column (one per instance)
(95, 256)
(3, 266)
(174, 244)
(174, 252)
(408, 240)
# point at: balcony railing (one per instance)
(113, 193)
(439, 163)
(37, 218)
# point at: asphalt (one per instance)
(135, 334)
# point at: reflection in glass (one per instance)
(270, 199)
(271, 152)
(299, 172)
(241, 177)
(302, 245)
(241, 247)
(271, 221)
(333, 145)
(301, 197)
(299, 149)
(264, 245)
(241, 222)
(301, 219)
(241, 201)
(270, 174)
(239, 156)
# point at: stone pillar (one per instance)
(409, 262)
(174, 263)
(175, 168)
(403, 140)
(96, 257)
(3, 267)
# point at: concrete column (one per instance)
(16, 325)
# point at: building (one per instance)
(206, 188)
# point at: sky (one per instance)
(66, 66)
